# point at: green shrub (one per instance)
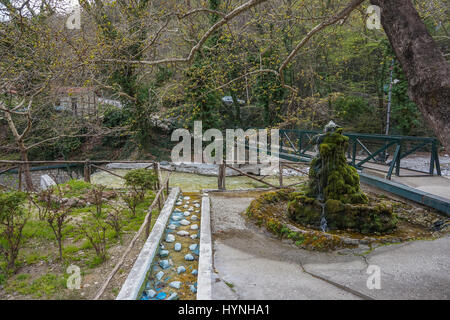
(12, 220)
(141, 180)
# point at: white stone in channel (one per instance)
(194, 227)
(170, 238)
(184, 222)
(183, 233)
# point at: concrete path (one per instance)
(251, 264)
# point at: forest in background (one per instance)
(342, 73)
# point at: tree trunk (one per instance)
(26, 170)
(426, 69)
(22, 148)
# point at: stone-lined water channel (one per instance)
(173, 274)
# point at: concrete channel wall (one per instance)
(138, 274)
(205, 256)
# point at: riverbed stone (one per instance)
(194, 218)
(189, 257)
(175, 284)
(164, 264)
(194, 227)
(181, 269)
(184, 222)
(170, 238)
(193, 288)
(177, 246)
(194, 272)
(187, 198)
(194, 236)
(159, 275)
(187, 214)
(173, 296)
(172, 227)
(150, 293)
(164, 253)
(182, 233)
(192, 247)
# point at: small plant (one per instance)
(141, 180)
(12, 220)
(132, 199)
(56, 215)
(95, 233)
(114, 220)
(97, 193)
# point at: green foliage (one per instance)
(10, 205)
(350, 108)
(330, 174)
(114, 117)
(141, 180)
(43, 286)
(12, 221)
(406, 117)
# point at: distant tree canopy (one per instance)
(295, 64)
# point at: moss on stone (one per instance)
(330, 176)
(334, 181)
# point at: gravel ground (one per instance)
(422, 163)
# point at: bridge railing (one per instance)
(297, 145)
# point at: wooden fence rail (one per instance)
(221, 177)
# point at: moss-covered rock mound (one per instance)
(333, 197)
(330, 176)
(370, 218)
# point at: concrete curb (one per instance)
(204, 290)
(132, 286)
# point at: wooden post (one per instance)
(280, 166)
(20, 177)
(158, 184)
(221, 177)
(87, 171)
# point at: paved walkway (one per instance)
(250, 264)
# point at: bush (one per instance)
(141, 180)
(12, 220)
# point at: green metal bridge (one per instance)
(296, 145)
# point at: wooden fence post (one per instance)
(87, 171)
(221, 177)
(158, 183)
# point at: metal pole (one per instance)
(388, 119)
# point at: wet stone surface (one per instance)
(173, 273)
